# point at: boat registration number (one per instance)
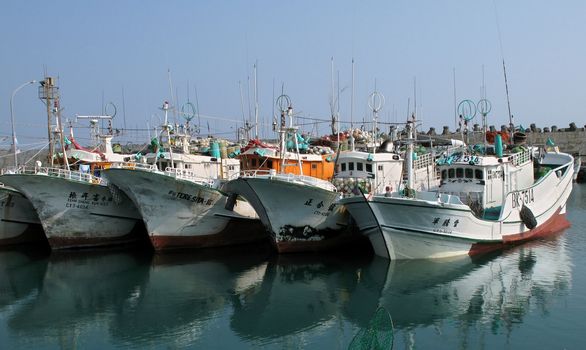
(522, 197)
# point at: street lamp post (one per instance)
(12, 118)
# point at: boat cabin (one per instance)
(195, 165)
(373, 171)
(483, 181)
(266, 159)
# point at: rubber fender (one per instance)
(231, 201)
(528, 218)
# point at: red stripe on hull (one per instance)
(236, 232)
(32, 235)
(553, 225)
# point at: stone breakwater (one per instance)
(571, 139)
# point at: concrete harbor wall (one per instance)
(571, 139)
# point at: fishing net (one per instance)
(378, 335)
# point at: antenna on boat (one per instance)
(467, 110)
(273, 105)
(286, 108)
(498, 27)
(415, 108)
(455, 103)
(484, 108)
(376, 102)
(335, 103)
(197, 109)
(409, 155)
(242, 107)
(173, 97)
(123, 108)
(352, 109)
(167, 129)
(255, 104)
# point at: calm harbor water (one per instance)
(532, 296)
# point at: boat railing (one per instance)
(135, 166)
(186, 174)
(521, 157)
(293, 178)
(423, 160)
(60, 173)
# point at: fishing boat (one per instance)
(76, 208)
(487, 200)
(19, 222)
(291, 191)
(178, 194)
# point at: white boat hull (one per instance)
(183, 214)
(422, 228)
(77, 214)
(19, 222)
(298, 217)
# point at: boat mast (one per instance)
(167, 129)
(498, 27)
(375, 102)
(455, 102)
(59, 132)
(352, 109)
(255, 105)
(286, 108)
(332, 100)
(409, 154)
(49, 94)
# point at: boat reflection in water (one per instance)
(185, 295)
(463, 297)
(255, 299)
(21, 275)
(298, 294)
(80, 292)
(304, 303)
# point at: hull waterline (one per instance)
(78, 214)
(299, 218)
(180, 214)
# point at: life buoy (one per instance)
(527, 217)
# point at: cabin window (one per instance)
(230, 167)
(270, 164)
(369, 168)
(187, 166)
(313, 166)
(451, 173)
(253, 162)
(380, 168)
(444, 174)
(343, 166)
(351, 166)
(359, 166)
(469, 173)
(478, 174)
(459, 173)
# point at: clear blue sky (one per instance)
(98, 48)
